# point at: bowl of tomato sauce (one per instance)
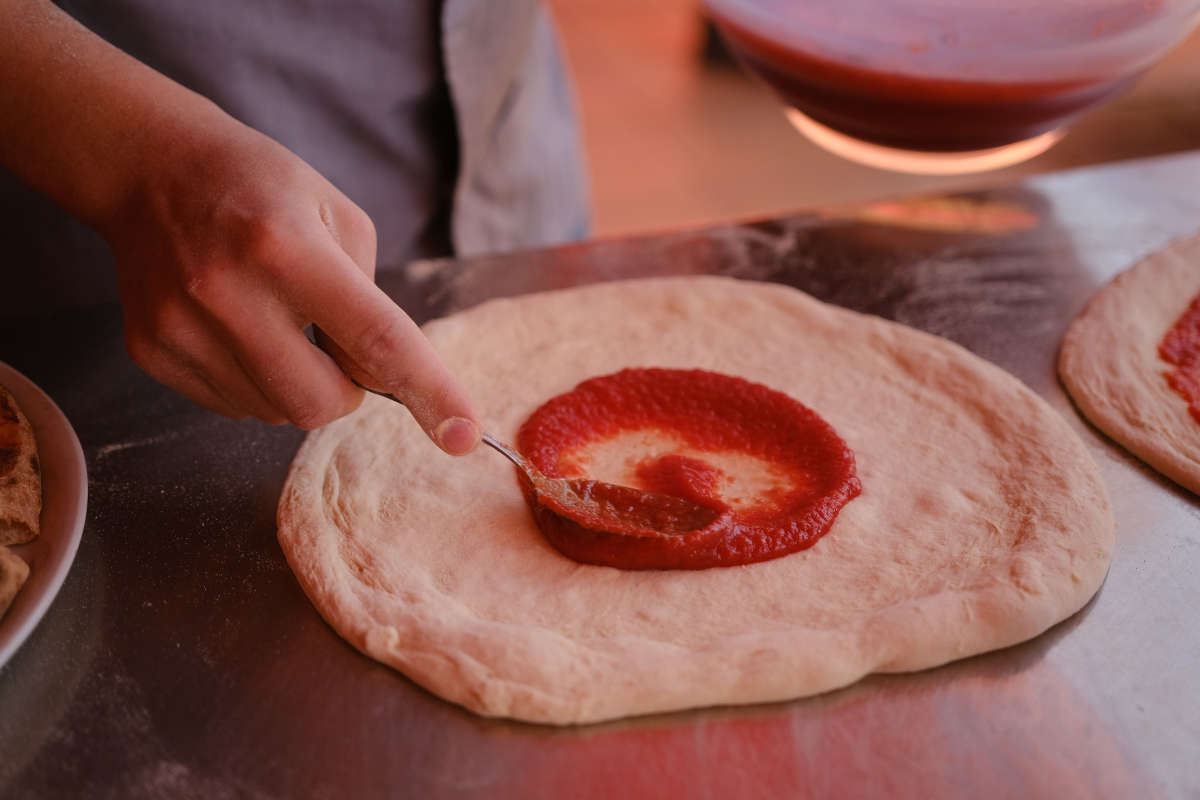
(944, 81)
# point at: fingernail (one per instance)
(456, 435)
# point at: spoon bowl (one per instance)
(608, 506)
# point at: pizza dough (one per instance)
(20, 475)
(982, 520)
(1110, 365)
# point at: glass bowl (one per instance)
(947, 85)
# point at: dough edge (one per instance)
(1109, 364)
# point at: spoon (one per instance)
(597, 505)
(608, 506)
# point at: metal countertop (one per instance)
(181, 658)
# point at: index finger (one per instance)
(379, 346)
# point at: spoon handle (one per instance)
(491, 441)
(505, 450)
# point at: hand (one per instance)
(227, 248)
(227, 245)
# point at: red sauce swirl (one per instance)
(1180, 347)
(712, 415)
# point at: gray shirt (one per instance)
(450, 123)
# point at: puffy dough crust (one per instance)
(982, 522)
(1109, 361)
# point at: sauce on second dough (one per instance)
(1181, 348)
(712, 414)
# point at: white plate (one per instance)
(64, 504)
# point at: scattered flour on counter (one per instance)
(117, 447)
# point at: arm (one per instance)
(227, 245)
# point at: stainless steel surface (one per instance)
(182, 660)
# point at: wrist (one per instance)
(171, 150)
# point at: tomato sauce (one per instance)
(1180, 347)
(711, 415)
(950, 84)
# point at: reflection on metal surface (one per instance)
(49, 685)
(923, 736)
(917, 162)
(951, 214)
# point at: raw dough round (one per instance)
(1110, 365)
(982, 521)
